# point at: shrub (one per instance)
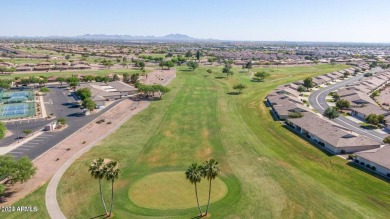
(44, 89)
(356, 161)
(388, 174)
(351, 156)
(362, 163)
(373, 168)
(61, 121)
(368, 165)
(342, 151)
(295, 115)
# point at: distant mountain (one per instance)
(169, 37)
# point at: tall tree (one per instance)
(111, 172)
(301, 89)
(13, 171)
(115, 77)
(194, 175)
(210, 171)
(97, 171)
(134, 78)
(227, 69)
(308, 83)
(126, 77)
(239, 87)
(193, 65)
(248, 65)
(261, 76)
(160, 89)
(331, 113)
(342, 104)
(188, 54)
(89, 104)
(198, 54)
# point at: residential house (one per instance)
(376, 160)
(362, 112)
(331, 136)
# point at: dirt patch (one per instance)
(153, 159)
(168, 133)
(204, 153)
(204, 133)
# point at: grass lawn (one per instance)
(368, 126)
(154, 55)
(35, 199)
(268, 170)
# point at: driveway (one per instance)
(318, 101)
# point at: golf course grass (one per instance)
(269, 172)
(169, 190)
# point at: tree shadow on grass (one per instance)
(7, 194)
(219, 77)
(233, 93)
(256, 80)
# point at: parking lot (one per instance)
(59, 103)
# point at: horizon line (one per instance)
(193, 38)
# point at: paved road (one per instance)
(318, 101)
(61, 104)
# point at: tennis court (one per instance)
(11, 111)
(16, 96)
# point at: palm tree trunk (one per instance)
(101, 196)
(208, 202)
(197, 200)
(112, 196)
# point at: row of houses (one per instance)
(324, 132)
(330, 77)
(286, 105)
(362, 104)
(46, 66)
(113, 90)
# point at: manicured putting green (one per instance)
(171, 190)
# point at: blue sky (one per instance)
(289, 20)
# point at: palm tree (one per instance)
(111, 172)
(97, 171)
(210, 170)
(194, 175)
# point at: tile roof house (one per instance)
(123, 88)
(318, 81)
(362, 112)
(329, 135)
(378, 160)
(355, 97)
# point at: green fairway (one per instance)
(170, 190)
(268, 170)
